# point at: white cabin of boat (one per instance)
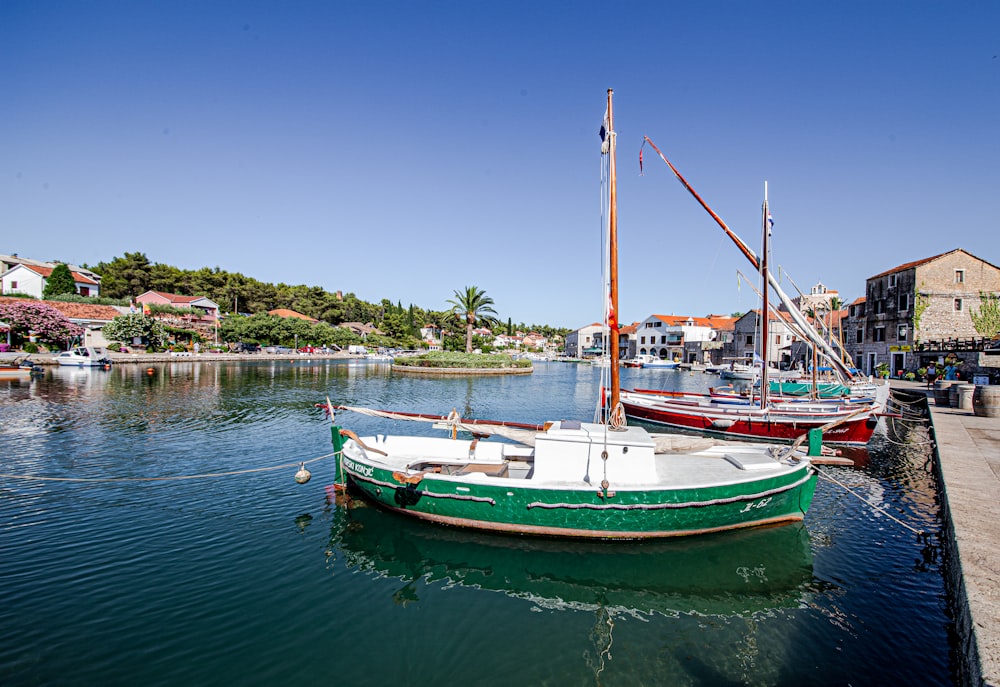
(630, 454)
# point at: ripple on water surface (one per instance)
(255, 580)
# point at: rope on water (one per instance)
(207, 475)
(868, 503)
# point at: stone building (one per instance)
(746, 332)
(819, 299)
(586, 340)
(910, 315)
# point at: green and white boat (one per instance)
(578, 479)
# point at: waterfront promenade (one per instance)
(968, 458)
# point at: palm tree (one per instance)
(472, 305)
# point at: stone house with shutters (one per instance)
(909, 314)
(745, 342)
(586, 340)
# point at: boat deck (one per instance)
(459, 460)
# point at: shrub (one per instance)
(34, 317)
(446, 359)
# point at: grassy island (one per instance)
(470, 363)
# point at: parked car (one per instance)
(243, 347)
(308, 349)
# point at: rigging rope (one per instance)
(616, 420)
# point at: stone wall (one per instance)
(937, 282)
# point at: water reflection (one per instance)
(732, 574)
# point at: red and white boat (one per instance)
(776, 421)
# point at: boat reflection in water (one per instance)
(738, 573)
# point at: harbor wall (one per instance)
(967, 466)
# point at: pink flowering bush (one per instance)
(47, 323)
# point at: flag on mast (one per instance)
(605, 133)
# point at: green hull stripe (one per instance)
(660, 506)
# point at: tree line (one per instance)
(133, 274)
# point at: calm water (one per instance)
(255, 580)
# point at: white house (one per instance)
(30, 280)
(430, 334)
(681, 337)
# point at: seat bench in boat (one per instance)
(516, 469)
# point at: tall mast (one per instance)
(765, 334)
(613, 261)
(793, 311)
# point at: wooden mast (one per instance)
(613, 262)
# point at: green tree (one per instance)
(394, 325)
(125, 328)
(125, 277)
(987, 320)
(60, 282)
(472, 306)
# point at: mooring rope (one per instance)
(891, 425)
(868, 503)
(207, 475)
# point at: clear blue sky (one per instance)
(404, 150)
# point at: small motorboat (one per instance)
(19, 368)
(84, 356)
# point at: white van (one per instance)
(357, 350)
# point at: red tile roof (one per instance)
(713, 321)
(285, 312)
(918, 263)
(76, 311)
(85, 311)
(176, 298)
(47, 272)
(909, 265)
